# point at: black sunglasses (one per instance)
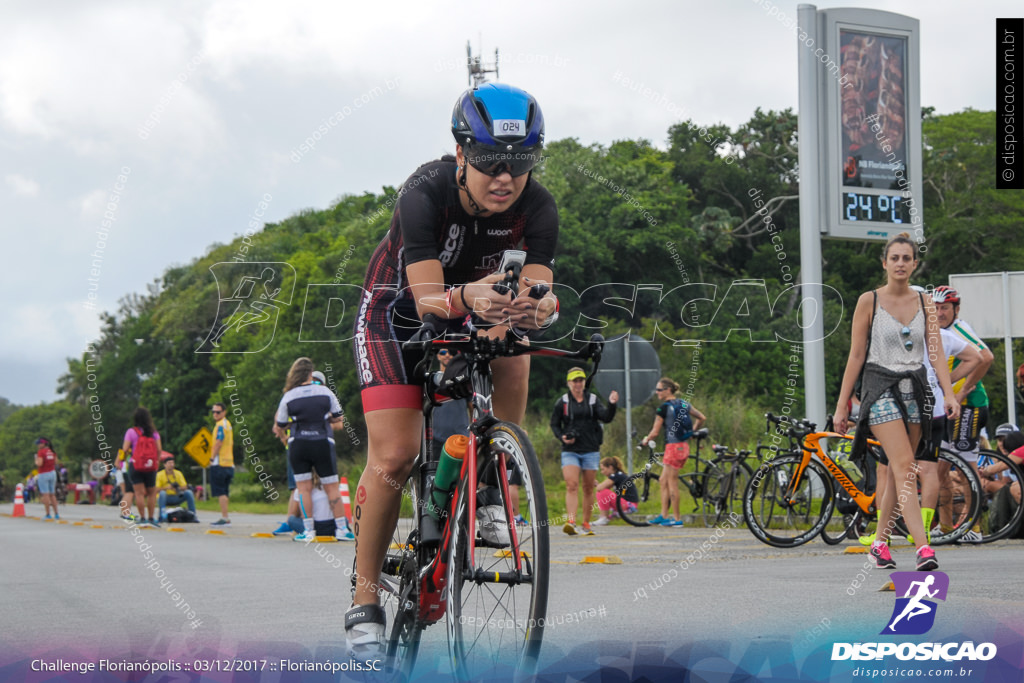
(493, 160)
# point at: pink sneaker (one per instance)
(926, 561)
(883, 559)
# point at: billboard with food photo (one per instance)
(874, 109)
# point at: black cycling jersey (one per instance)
(430, 223)
(305, 410)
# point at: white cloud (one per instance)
(22, 185)
(91, 205)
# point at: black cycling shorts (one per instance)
(939, 429)
(306, 456)
(147, 479)
(967, 428)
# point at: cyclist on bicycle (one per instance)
(453, 220)
(682, 420)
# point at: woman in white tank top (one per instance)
(890, 326)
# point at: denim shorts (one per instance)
(585, 461)
(886, 409)
(46, 481)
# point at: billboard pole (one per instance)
(629, 406)
(812, 305)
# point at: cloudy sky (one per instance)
(202, 108)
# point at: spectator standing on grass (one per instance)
(680, 420)
(890, 326)
(172, 488)
(222, 463)
(142, 446)
(576, 423)
(309, 410)
(46, 464)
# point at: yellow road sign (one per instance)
(199, 446)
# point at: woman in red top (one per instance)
(46, 463)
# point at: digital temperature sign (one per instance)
(870, 122)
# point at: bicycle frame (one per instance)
(432, 581)
(811, 448)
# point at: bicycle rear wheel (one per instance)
(723, 496)
(399, 586)
(1001, 514)
(497, 599)
(783, 520)
(960, 500)
(695, 485)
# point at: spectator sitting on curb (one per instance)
(612, 468)
(1011, 445)
(172, 488)
(324, 523)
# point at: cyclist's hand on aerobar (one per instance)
(533, 306)
(487, 304)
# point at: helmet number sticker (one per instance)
(509, 127)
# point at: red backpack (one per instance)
(145, 456)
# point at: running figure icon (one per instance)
(914, 613)
(915, 607)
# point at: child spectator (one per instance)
(612, 468)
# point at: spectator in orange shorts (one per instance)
(682, 419)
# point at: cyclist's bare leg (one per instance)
(589, 496)
(946, 483)
(511, 382)
(571, 474)
(900, 450)
(394, 437)
(929, 474)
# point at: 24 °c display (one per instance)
(876, 208)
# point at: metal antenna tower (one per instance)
(478, 70)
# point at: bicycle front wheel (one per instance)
(498, 584)
(399, 586)
(784, 515)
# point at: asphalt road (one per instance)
(85, 589)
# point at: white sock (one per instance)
(341, 523)
(307, 522)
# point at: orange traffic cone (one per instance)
(343, 490)
(19, 503)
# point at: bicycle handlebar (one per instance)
(431, 337)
